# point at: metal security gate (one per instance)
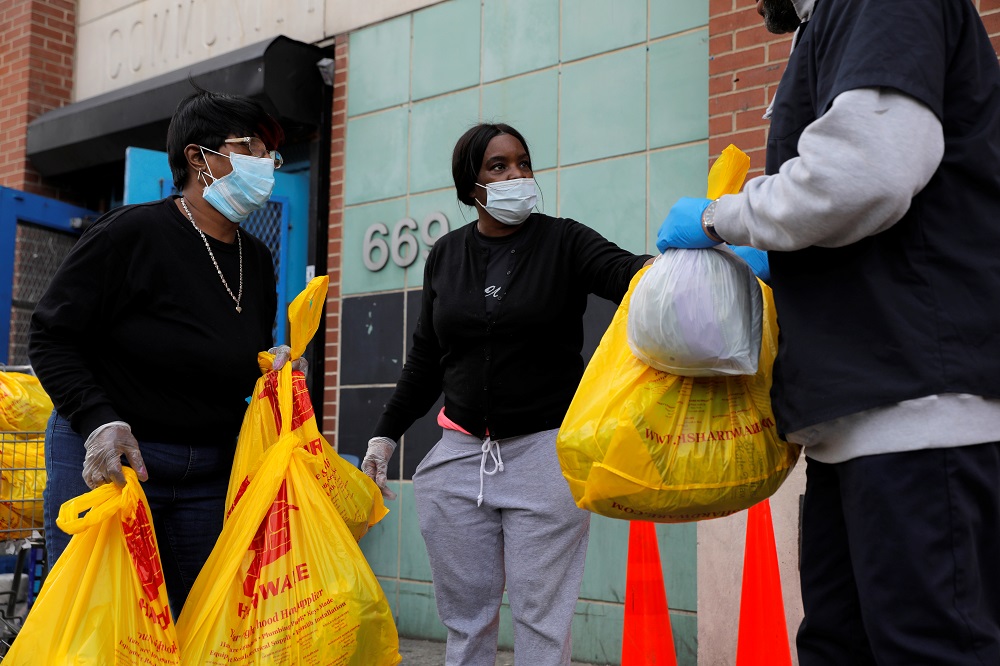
(38, 252)
(267, 224)
(36, 233)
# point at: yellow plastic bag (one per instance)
(104, 602)
(728, 172)
(22, 481)
(24, 404)
(641, 444)
(286, 582)
(25, 408)
(354, 495)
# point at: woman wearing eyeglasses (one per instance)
(148, 334)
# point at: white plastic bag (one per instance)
(697, 313)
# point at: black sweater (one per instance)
(137, 326)
(515, 372)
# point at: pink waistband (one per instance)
(448, 424)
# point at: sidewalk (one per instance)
(417, 652)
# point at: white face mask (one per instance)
(510, 201)
(244, 189)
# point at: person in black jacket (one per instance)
(147, 337)
(879, 211)
(500, 333)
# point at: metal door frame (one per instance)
(16, 207)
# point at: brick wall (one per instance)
(334, 250)
(745, 64)
(37, 44)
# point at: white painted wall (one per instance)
(121, 42)
(720, 572)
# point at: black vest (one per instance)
(914, 310)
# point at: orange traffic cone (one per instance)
(763, 637)
(647, 639)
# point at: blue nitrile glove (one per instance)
(756, 258)
(682, 228)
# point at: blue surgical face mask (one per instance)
(510, 202)
(244, 189)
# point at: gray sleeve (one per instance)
(859, 166)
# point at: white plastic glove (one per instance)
(282, 354)
(376, 463)
(105, 448)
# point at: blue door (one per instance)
(36, 233)
(282, 225)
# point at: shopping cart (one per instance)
(22, 540)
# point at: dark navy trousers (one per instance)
(186, 492)
(901, 560)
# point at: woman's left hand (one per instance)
(282, 354)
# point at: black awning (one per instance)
(280, 73)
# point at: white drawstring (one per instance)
(492, 448)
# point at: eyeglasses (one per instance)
(257, 149)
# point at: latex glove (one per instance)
(376, 463)
(682, 228)
(282, 354)
(105, 448)
(756, 258)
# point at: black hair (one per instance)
(208, 119)
(468, 156)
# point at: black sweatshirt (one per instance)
(137, 326)
(514, 372)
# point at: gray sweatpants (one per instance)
(527, 533)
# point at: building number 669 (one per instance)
(402, 244)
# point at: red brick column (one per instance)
(335, 243)
(990, 11)
(37, 46)
(745, 64)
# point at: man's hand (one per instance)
(683, 227)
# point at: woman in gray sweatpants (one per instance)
(527, 532)
(500, 333)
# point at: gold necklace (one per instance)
(239, 244)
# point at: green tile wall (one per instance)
(379, 68)
(602, 110)
(667, 17)
(547, 183)
(356, 278)
(609, 196)
(436, 124)
(416, 565)
(678, 88)
(440, 33)
(592, 642)
(529, 103)
(519, 37)
(418, 612)
(376, 156)
(381, 544)
(594, 26)
(612, 98)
